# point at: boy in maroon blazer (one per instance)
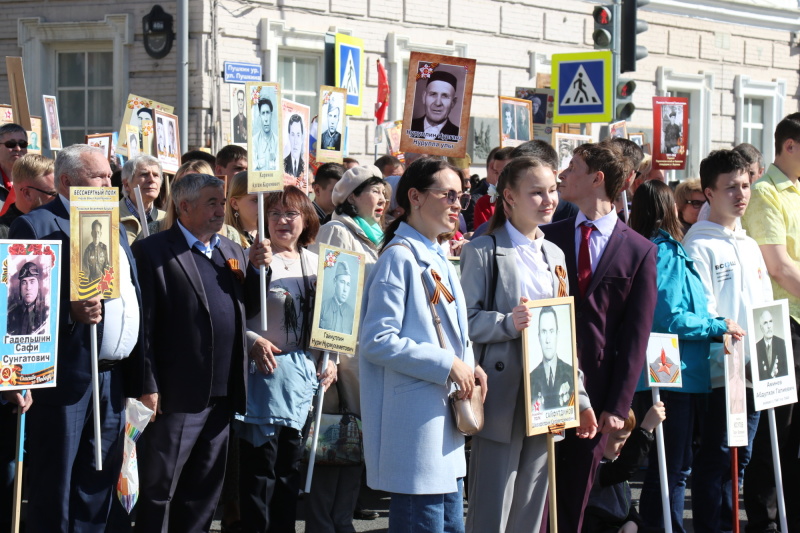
(612, 275)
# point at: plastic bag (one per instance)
(137, 416)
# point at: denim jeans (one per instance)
(427, 513)
(678, 426)
(712, 510)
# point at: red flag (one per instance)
(383, 94)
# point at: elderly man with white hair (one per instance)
(145, 171)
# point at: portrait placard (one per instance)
(53, 125)
(264, 146)
(168, 142)
(337, 310)
(637, 137)
(544, 132)
(330, 138)
(735, 391)
(515, 121)
(437, 107)
(134, 148)
(566, 144)
(542, 101)
(349, 63)
(30, 287)
(138, 109)
(663, 361)
(35, 136)
(238, 115)
(771, 360)
(100, 140)
(393, 132)
(670, 132)
(618, 130)
(6, 114)
(483, 134)
(295, 144)
(94, 242)
(550, 362)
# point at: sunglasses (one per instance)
(13, 144)
(454, 196)
(697, 204)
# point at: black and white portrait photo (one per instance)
(772, 368)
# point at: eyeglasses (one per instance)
(277, 215)
(51, 194)
(454, 196)
(697, 204)
(13, 144)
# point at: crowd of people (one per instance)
(232, 400)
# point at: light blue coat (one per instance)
(411, 444)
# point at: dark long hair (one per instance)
(509, 179)
(653, 208)
(419, 175)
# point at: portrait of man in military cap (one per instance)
(338, 312)
(439, 101)
(27, 308)
(95, 255)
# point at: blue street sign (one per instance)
(242, 72)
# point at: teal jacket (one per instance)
(681, 309)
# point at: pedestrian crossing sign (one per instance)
(582, 86)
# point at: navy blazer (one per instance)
(74, 371)
(615, 317)
(178, 323)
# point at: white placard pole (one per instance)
(662, 469)
(137, 191)
(98, 443)
(625, 205)
(776, 466)
(317, 420)
(262, 270)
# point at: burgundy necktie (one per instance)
(584, 262)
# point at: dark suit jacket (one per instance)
(178, 323)
(778, 351)
(331, 142)
(74, 372)
(418, 124)
(550, 395)
(287, 166)
(613, 321)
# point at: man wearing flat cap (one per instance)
(28, 315)
(336, 314)
(440, 99)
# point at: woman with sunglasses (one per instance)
(690, 199)
(411, 445)
(283, 372)
(513, 263)
(359, 200)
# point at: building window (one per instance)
(299, 76)
(753, 122)
(85, 94)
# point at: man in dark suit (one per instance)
(193, 286)
(612, 275)
(770, 350)
(240, 120)
(552, 379)
(293, 162)
(439, 99)
(332, 139)
(66, 492)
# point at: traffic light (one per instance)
(603, 27)
(625, 107)
(630, 26)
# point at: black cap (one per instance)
(29, 270)
(441, 75)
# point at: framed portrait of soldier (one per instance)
(168, 143)
(771, 356)
(541, 103)
(295, 144)
(94, 243)
(51, 120)
(331, 129)
(550, 363)
(100, 140)
(35, 136)
(437, 107)
(670, 132)
(264, 141)
(238, 115)
(137, 110)
(30, 287)
(735, 391)
(515, 121)
(340, 283)
(565, 146)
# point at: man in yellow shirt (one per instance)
(773, 220)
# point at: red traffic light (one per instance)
(602, 15)
(625, 90)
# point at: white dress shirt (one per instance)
(599, 238)
(535, 280)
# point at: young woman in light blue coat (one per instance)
(411, 445)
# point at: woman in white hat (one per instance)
(359, 200)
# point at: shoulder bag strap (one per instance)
(492, 291)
